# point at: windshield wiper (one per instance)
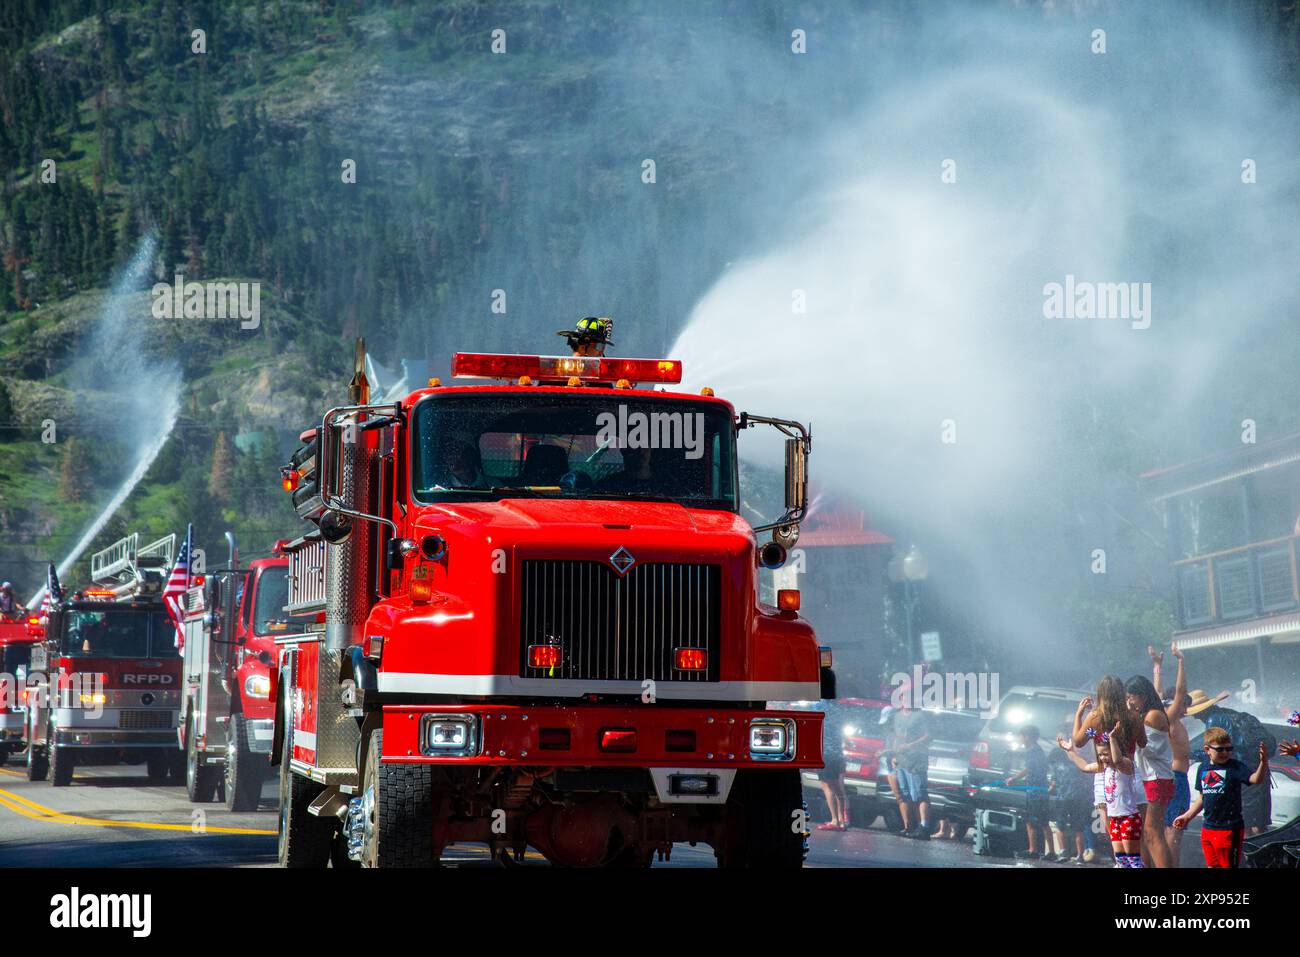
(638, 496)
(490, 490)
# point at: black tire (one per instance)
(400, 829)
(761, 823)
(304, 840)
(62, 762)
(4, 756)
(244, 771)
(892, 816)
(200, 780)
(38, 764)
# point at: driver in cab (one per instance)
(461, 467)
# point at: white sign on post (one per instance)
(931, 649)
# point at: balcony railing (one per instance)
(1237, 584)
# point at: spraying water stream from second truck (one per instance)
(115, 360)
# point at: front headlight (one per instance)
(771, 739)
(449, 735)
(257, 686)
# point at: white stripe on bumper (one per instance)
(505, 685)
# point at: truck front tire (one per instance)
(61, 764)
(243, 773)
(399, 797)
(38, 764)
(200, 780)
(762, 823)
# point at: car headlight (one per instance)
(771, 739)
(449, 735)
(257, 686)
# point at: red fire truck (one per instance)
(17, 639)
(538, 625)
(232, 618)
(112, 671)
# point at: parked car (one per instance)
(997, 749)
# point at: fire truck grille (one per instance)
(157, 719)
(620, 627)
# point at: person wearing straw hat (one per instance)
(1247, 734)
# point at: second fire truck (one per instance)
(538, 626)
(232, 618)
(112, 669)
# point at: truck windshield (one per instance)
(15, 656)
(117, 633)
(269, 616)
(503, 445)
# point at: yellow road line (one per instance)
(38, 812)
(17, 774)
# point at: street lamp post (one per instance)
(909, 570)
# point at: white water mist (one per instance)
(115, 361)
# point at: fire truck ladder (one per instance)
(129, 569)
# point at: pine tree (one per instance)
(222, 469)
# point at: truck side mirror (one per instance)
(53, 628)
(796, 475)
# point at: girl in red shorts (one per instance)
(1123, 809)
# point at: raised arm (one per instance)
(1261, 772)
(1157, 660)
(1178, 709)
(1079, 736)
(1122, 762)
(1074, 756)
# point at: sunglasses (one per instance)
(1227, 747)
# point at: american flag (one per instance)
(178, 583)
(53, 593)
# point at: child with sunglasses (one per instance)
(1218, 789)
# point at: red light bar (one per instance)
(98, 593)
(485, 365)
(690, 659)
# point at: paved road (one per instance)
(113, 817)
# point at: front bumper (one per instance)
(116, 739)
(555, 736)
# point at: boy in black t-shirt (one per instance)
(1034, 776)
(1218, 789)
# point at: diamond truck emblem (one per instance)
(622, 560)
